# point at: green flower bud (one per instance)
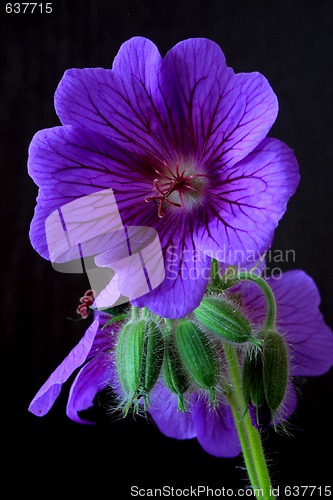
(225, 319)
(252, 378)
(174, 376)
(129, 354)
(139, 357)
(275, 369)
(265, 374)
(152, 358)
(197, 356)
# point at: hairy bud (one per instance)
(197, 356)
(252, 378)
(152, 358)
(225, 319)
(265, 374)
(129, 354)
(139, 357)
(174, 375)
(275, 369)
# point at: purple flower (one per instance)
(182, 143)
(309, 339)
(310, 344)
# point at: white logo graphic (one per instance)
(87, 235)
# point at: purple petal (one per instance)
(105, 338)
(187, 273)
(91, 379)
(170, 421)
(249, 200)
(218, 114)
(123, 103)
(71, 163)
(299, 317)
(215, 429)
(49, 392)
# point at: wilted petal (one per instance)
(91, 379)
(49, 392)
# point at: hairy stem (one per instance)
(248, 435)
(269, 295)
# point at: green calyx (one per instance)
(139, 357)
(265, 374)
(275, 369)
(252, 378)
(174, 375)
(225, 319)
(129, 355)
(197, 356)
(153, 350)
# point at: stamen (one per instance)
(168, 184)
(85, 302)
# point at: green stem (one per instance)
(243, 438)
(269, 295)
(248, 435)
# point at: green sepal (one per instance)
(275, 369)
(225, 319)
(174, 375)
(153, 351)
(129, 354)
(197, 356)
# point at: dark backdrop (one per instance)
(290, 42)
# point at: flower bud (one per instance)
(275, 369)
(152, 358)
(252, 378)
(139, 357)
(174, 376)
(225, 319)
(265, 376)
(129, 353)
(197, 356)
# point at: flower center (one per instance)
(181, 187)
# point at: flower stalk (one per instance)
(269, 296)
(249, 436)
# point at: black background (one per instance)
(290, 42)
